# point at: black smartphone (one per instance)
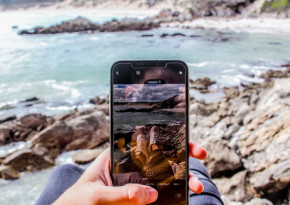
(149, 127)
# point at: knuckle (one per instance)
(134, 193)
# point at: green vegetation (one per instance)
(275, 5)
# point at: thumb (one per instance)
(134, 194)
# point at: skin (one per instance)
(95, 186)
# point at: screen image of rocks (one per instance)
(149, 138)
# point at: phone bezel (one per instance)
(187, 110)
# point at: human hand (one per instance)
(95, 185)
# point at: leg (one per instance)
(210, 195)
(62, 178)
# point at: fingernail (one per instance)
(151, 195)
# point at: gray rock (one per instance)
(221, 158)
(273, 179)
(235, 188)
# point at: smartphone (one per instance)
(149, 127)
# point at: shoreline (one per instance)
(264, 25)
(250, 25)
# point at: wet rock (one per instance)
(10, 118)
(172, 35)
(33, 120)
(7, 107)
(130, 24)
(81, 24)
(177, 34)
(276, 74)
(8, 173)
(195, 36)
(5, 136)
(99, 101)
(201, 84)
(22, 129)
(33, 99)
(147, 35)
(76, 25)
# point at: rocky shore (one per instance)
(81, 24)
(246, 135)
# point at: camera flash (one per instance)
(138, 72)
(180, 73)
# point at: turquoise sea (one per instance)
(64, 71)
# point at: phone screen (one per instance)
(149, 127)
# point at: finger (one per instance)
(194, 184)
(197, 151)
(99, 170)
(129, 194)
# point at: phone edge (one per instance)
(187, 116)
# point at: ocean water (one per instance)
(65, 70)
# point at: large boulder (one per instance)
(33, 121)
(29, 159)
(22, 129)
(221, 158)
